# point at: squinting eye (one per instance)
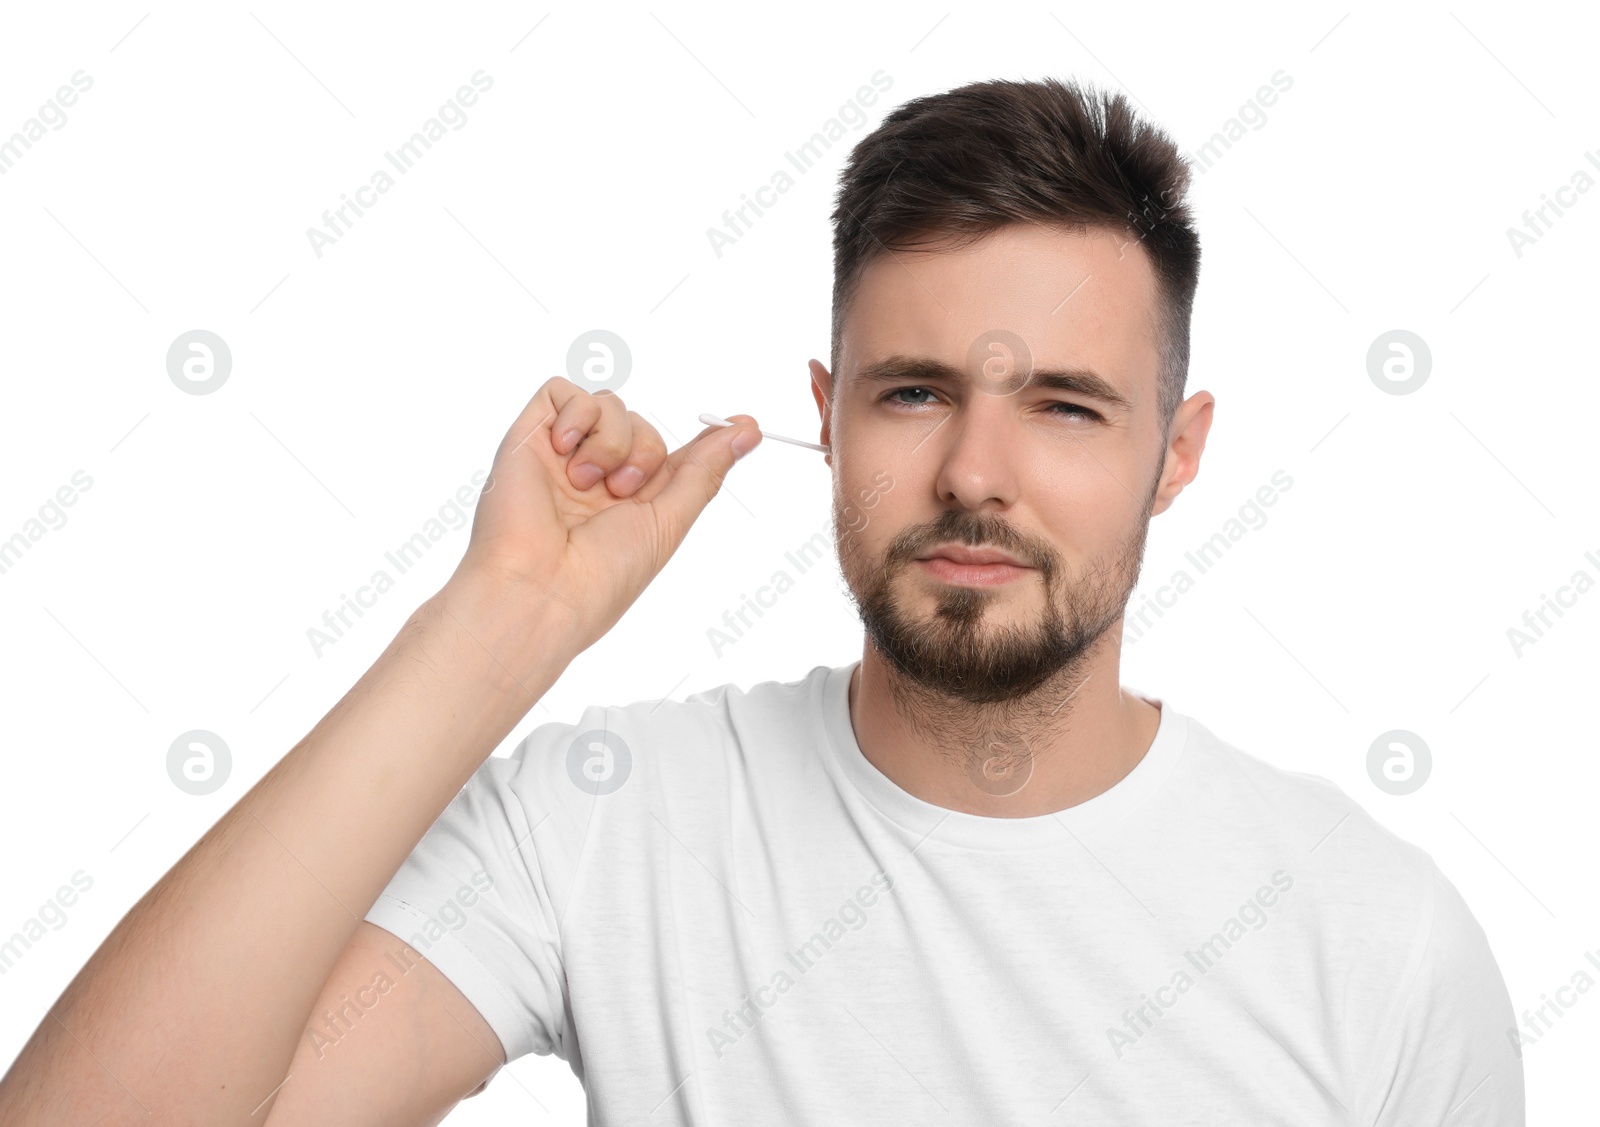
(899, 390)
(1073, 407)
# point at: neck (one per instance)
(1074, 737)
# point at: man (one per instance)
(967, 879)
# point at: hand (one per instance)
(584, 506)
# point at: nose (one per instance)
(978, 441)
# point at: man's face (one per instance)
(947, 434)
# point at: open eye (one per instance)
(890, 396)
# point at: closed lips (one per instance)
(972, 556)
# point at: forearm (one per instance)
(191, 1009)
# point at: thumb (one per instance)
(697, 476)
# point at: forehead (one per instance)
(1084, 300)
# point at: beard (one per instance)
(953, 654)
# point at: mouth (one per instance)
(962, 554)
(972, 567)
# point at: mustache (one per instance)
(975, 530)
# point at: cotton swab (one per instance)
(713, 421)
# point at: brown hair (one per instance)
(950, 168)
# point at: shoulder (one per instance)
(1373, 916)
(661, 723)
(1303, 818)
(606, 783)
(634, 752)
(1378, 905)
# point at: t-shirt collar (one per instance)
(934, 823)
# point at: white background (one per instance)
(370, 383)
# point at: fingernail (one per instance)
(627, 479)
(586, 475)
(568, 438)
(745, 443)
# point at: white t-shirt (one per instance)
(720, 912)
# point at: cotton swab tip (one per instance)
(711, 420)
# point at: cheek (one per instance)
(852, 515)
(1082, 479)
(865, 501)
(1080, 505)
(877, 438)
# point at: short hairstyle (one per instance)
(943, 171)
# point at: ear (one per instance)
(822, 391)
(1190, 425)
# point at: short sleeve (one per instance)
(1449, 1054)
(474, 899)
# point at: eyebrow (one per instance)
(926, 369)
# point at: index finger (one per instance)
(540, 412)
(684, 453)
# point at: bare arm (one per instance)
(404, 1060)
(192, 1009)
